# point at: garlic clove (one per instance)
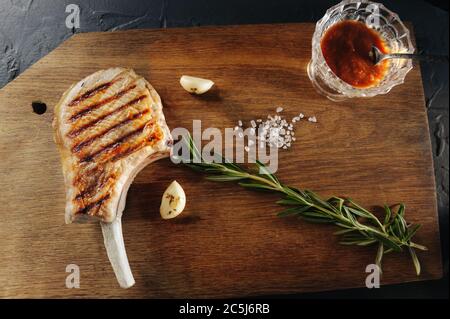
(195, 85)
(173, 201)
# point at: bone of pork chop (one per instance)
(107, 128)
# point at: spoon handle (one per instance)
(423, 57)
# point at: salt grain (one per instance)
(275, 131)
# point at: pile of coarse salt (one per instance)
(275, 131)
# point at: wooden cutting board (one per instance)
(228, 242)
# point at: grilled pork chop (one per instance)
(107, 128)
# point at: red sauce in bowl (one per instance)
(346, 48)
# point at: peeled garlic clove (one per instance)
(195, 85)
(173, 201)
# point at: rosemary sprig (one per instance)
(358, 226)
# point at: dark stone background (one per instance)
(30, 29)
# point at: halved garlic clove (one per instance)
(195, 85)
(173, 201)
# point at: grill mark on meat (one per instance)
(93, 186)
(128, 151)
(92, 205)
(77, 130)
(79, 146)
(94, 106)
(92, 92)
(136, 147)
(115, 144)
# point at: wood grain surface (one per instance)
(228, 242)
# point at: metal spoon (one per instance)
(377, 56)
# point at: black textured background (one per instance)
(30, 29)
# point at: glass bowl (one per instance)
(375, 16)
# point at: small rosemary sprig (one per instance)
(358, 225)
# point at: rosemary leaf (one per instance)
(367, 242)
(287, 201)
(292, 211)
(316, 220)
(415, 260)
(358, 212)
(417, 246)
(343, 231)
(388, 215)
